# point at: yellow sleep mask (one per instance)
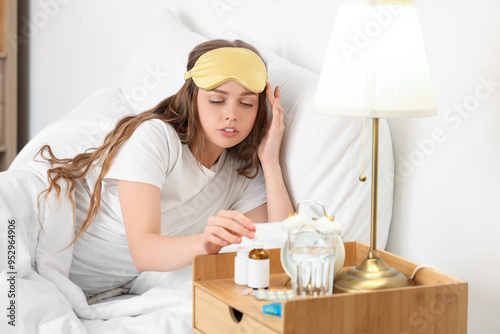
(218, 66)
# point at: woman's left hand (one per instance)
(269, 148)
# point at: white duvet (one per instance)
(44, 299)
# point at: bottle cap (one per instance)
(259, 242)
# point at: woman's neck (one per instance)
(208, 157)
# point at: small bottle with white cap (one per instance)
(258, 265)
(241, 265)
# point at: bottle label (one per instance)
(241, 270)
(258, 273)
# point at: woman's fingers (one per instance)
(216, 240)
(277, 109)
(277, 112)
(220, 236)
(277, 92)
(277, 124)
(271, 143)
(273, 96)
(228, 227)
(269, 93)
(237, 217)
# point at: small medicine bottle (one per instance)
(241, 265)
(258, 265)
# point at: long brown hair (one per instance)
(180, 111)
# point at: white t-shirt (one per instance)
(189, 196)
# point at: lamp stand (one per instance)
(372, 273)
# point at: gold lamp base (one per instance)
(371, 274)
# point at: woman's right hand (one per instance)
(227, 227)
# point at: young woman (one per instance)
(181, 179)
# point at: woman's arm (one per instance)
(141, 208)
(279, 204)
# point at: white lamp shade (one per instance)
(376, 64)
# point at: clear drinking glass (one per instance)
(312, 250)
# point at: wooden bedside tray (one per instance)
(437, 303)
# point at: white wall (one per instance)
(446, 193)
(76, 47)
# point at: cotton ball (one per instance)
(293, 222)
(326, 223)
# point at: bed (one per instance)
(321, 159)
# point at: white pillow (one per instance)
(83, 127)
(321, 155)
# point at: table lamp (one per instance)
(375, 66)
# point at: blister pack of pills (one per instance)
(269, 294)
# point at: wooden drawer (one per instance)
(214, 316)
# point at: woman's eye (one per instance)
(216, 101)
(247, 104)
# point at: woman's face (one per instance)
(227, 114)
